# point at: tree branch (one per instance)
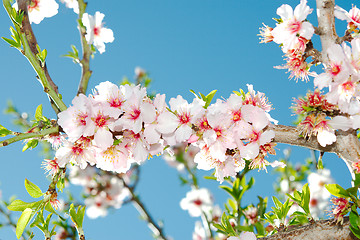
(347, 145)
(326, 28)
(30, 51)
(86, 50)
(320, 230)
(154, 227)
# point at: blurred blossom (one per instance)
(199, 232)
(197, 202)
(319, 195)
(72, 4)
(102, 191)
(181, 150)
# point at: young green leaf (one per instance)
(30, 144)
(32, 189)
(18, 205)
(337, 190)
(23, 222)
(4, 132)
(39, 112)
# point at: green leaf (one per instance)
(357, 179)
(39, 112)
(4, 132)
(355, 231)
(30, 144)
(228, 190)
(18, 205)
(305, 201)
(209, 98)
(32, 189)
(193, 92)
(354, 219)
(337, 190)
(11, 42)
(23, 221)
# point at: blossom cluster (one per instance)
(103, 191)
(293, 33)
(121, 125)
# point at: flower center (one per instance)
(236, 116)
(34, 4)
(197, 202)
(184, 118)
(77, 150)
(335, 69)
(135, 114)
(100, 120)
(347, 86)
(82, 119)
(294, 26)
(96, 31)
(116, 102)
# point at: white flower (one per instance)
(197, 201)
(95, 32)
(319, 195)
(293, 25)
(199, 232)
(72, 4)
(40, 9)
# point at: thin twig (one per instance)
(144, 213)
(24, 136)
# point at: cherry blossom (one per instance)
(76, 118)
(102, 191)
(319, 195)
(352, 17)
(72, 4)
(341, 208)
(197, 202)
(40, 9)
(95, 32)
(293, 25)
(177, 124)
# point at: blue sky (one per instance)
(200, 45)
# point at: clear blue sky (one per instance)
(200, 45)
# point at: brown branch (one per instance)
(320, 230)
(347, 145)
(326, 28)
(30, 51)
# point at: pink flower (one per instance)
(75, 119)
(137, 111)
(352, 17)
(115, 158)
(80, 153)
(341, 208)
(178, 123)
(293, 25)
